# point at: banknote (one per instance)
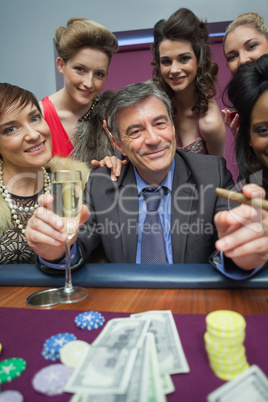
(123, 333)
(153, 383)
(250, 386)
(103, 370)
(144, 385)
(170, 353)
(167, 384)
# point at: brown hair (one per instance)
(253, 19)
(82, 32)
(13, 98)
(183, 24)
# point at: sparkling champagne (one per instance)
(67, 204)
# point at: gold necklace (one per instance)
(13, 207)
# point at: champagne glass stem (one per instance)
(68, 287)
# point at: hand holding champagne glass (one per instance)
(66, 188)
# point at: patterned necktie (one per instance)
(152, 242)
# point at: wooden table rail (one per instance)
(179, 301)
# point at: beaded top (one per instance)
(14, 208)
(14, 248)
(198, 146)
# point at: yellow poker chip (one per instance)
(219, 351)
(215, 343)
(233, 355)
(232, 334)
(228, 364)
(220, 342)
(11, 369)
(0, 348)
(225, 323)
(231, 375)
(229, 368)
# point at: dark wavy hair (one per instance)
(247, 85)
(183, 24)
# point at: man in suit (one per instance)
(139, 118)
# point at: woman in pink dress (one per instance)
(184, 69)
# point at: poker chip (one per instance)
(72, 352)
(0, 348)
(89, 320)
(11, 396)
(230, 375)
(52, 379)
(11, 369)
(225, 323)
(224, 343)
(49, 356)
(52, 346)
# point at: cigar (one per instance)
(241, 199)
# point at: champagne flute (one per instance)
(66, 188)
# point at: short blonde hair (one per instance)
(253, 19)
(81, 32)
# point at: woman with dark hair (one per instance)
(25, 164)
(248, 92)
(184, 69)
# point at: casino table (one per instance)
(187, 294)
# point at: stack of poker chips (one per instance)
(224, 343)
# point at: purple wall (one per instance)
(133, 64)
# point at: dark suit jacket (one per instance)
(114, 209)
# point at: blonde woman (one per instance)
(245, 40)
(85, 49)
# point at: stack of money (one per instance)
(224, 343)
(133, 358)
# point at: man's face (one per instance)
(148, 139)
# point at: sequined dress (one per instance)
(198, 146)
(14, 248)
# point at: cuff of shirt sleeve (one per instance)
(229, 269)
(74, 255)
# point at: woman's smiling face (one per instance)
(242, 45)
(85, 74)
(178, 63)
(25, 140)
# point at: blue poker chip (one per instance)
(49, 356)
(89, 320)
(52, 346)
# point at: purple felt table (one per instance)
(23, 332)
